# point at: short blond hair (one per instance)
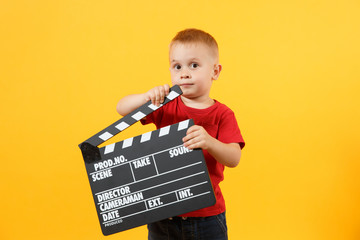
(193, 35)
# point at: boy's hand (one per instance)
(227, 154)
(197, 137)
(157, 94)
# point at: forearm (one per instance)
(129, 103)
(227, 154)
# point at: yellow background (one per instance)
(290, 73)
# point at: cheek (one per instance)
(173, 77)
(203, 74)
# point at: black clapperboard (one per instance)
(146, 178)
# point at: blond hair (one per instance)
(193, 36)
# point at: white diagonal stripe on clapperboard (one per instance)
(127, 142)
(109, 148)
(137, 116)
(153, 107)
(183, 125)
(172, 95)
(164, 131)
(121, 126)
(105, 136)
(146, 136)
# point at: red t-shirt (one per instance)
(220, 122)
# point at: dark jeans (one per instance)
(192, 228)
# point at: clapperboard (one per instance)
(146, 178)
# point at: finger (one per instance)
(189, 136)
(162, 94)
(188, 144)
(193, 143)
(157, 97)
(167, 89)
(192, 129)
(191, 133)
(152, 97)
(148, 95)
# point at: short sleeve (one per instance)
(229, 131)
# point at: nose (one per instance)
(185, 75)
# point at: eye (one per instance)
(194, 65)
(177, 66)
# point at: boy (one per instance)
(194, 64)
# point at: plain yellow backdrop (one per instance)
(290, 73)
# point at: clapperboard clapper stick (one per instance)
(146, 178)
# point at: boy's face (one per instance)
(193, 67)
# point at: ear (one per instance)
(216, 72)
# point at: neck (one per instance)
(198, 103)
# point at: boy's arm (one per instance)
(227, 154)
(129, 103)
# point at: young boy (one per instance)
(194, 64)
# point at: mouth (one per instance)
(185, 84)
